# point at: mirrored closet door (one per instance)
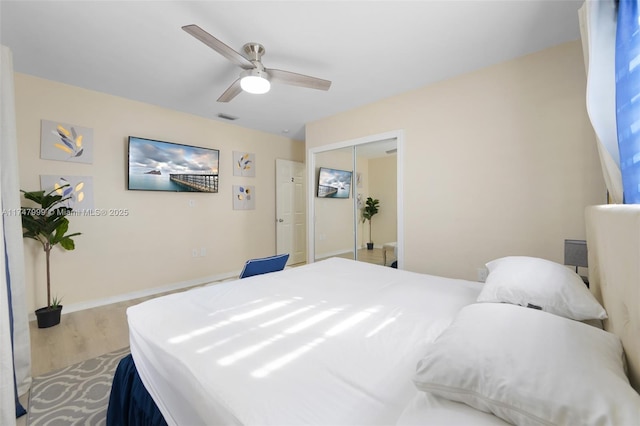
(344, 177)
(335, 228)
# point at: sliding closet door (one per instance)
(334, 227)
(376, 177)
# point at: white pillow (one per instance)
(541, 284)
(530, 367)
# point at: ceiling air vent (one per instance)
(227, 117)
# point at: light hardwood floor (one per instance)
(89, 333)
(80, 336)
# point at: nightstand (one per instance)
(585, 280)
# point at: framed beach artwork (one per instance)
(166, 166)
(244, 197)
(65, 142)
(244, 164)
(79, 189)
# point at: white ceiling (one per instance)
(370, 50)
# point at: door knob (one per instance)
(280, 220)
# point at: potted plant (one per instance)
(47, 224)
(368, 211)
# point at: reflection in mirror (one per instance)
(376, 177)
(334, 220)
(339, 229)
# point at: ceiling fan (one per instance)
(255, 78)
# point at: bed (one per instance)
(341, 342)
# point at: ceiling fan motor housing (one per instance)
(253, 51)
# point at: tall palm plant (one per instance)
(47, 224)
(370, 209)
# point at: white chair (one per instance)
(389, 246)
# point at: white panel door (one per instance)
(290, 210)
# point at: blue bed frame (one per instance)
(129, 403)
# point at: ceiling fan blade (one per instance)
(296, 79)
(231, 92)
(218, 46)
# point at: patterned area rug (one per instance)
(76, 395)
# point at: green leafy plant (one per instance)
(55, 302)
(47, 224)
(368, 211)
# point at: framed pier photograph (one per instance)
(334, 183)
(166, 166)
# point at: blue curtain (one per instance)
(628, 97)
(20, 411)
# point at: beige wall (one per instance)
(383, 186)
(152, 247)
(501, 161)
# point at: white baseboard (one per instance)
(342, 252)
(333, 253)
(90, 304)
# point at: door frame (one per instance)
(398, 135)
(303, 167)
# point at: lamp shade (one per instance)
(255, 81)
(575, 253)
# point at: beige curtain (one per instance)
(12, 239)
(598, 31)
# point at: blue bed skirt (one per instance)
(129, 403)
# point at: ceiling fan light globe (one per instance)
(255, 82)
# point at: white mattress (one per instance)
(427, 409)
(334, 342)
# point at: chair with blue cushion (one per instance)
(264, 265)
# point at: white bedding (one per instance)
(334, 342)
(428, 409)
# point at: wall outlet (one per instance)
(482, 274)
(203, 251)
(194, 252)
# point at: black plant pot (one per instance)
(369, 246)
(48, 317)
